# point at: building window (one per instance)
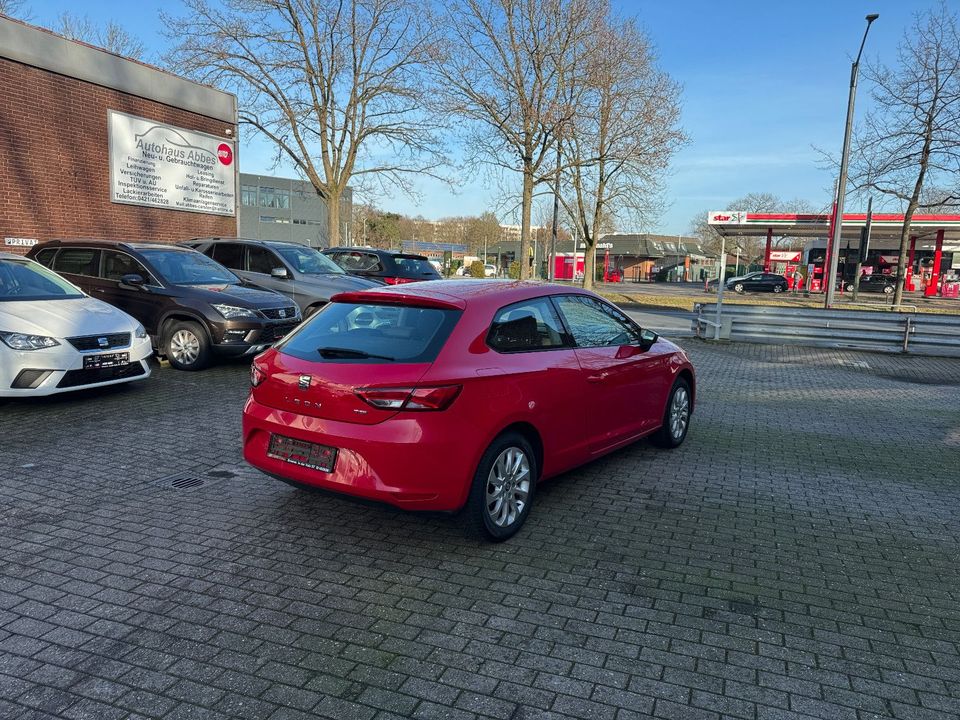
(274, 198)
(248, 195)
(272, 219)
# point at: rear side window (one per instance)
(358, 262)
(227, 254)
(78, 261)
(414, 266)
(368, 333)
(525, 326)
(45, 257)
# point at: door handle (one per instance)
(99, 290)
(600, 377)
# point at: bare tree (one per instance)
(15, 8)
(908, 147)
(619, 144)
(112, 36)
(337, 86)
(506, 67)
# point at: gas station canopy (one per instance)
(884, 226)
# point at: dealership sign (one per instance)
(785, 255)
(168, 167)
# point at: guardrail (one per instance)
(922, 334)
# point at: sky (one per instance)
(764, 84)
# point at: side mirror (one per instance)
(647, 339)
(280, 273)
(132, 280)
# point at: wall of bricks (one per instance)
(54, 163)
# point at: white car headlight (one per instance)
(21, 341)
(232, 311)
(140, 333)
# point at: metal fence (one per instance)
(918, 333)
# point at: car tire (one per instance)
(738, 288)
(778, 288)
(485, 516)
(186, 346)
(676, 416)
(887, 289)
(310, 311)
(850, 287)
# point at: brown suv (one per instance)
(192, 307)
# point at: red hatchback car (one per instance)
(461, 394)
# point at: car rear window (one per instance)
(371, 333)
(414, 266)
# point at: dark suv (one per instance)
(303, 274)
(389, 267)
(191, 306)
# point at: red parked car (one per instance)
(461, 394)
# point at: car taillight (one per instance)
(410, 398)
(397, 280)
(257, 375)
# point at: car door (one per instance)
(261, 263)
(231, 255)
(537, 355)
(138, 302)
(79, 265)
(624, 396)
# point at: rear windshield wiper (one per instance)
(335, 352)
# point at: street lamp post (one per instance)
(844, 159)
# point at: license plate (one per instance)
(302, 453)
(96, 362)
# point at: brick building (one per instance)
(96, 145)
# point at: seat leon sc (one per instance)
(461, 394)
(54, 338)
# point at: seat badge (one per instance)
(304, 382)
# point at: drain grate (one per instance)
(182, 481)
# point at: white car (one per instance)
(53, 338)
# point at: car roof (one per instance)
(378, 251)
(13, 256)
(128, 244)
(460, 293)
(252, 241)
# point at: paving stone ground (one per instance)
(796, 558)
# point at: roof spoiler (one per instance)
(392, 297)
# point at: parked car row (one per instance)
(203, 299)
(453, 395)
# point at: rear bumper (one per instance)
(410, 461)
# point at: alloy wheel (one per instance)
(185, 347)
(679, 412)
(508, 487)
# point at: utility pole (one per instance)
(864, 247)
(844, 160)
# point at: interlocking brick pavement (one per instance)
(796, 558)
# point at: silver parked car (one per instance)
(303, 274)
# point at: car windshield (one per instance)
(180, 267)
(369, 333)
(308, 261)
(26, 280)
